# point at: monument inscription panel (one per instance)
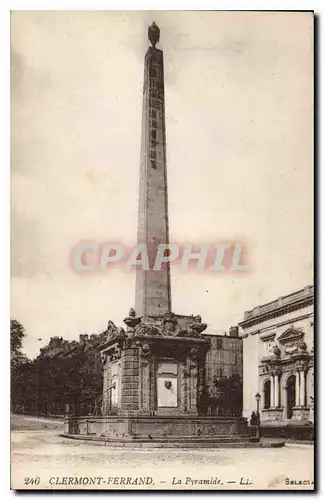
(167, 385)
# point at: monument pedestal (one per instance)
(154, 387)
(179, 430)
(157, 369)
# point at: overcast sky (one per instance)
(239, 148)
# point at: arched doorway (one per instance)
(266, 394)
(291, 395)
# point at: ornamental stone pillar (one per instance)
(276, 390)
(297, 397)
(130, 380)
(272, 394)
(302, 387)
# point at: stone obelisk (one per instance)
(153, 291)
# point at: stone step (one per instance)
(227, 442)
(179, 439)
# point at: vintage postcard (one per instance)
(162, 299)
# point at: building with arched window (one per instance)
(278, 358)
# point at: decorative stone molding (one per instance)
(301, 364)
(113, 332)
(145, 353)
(267, 336)
(193, 354)
(169, 327)
(263, 369)
(114, 353)
(275, 370)
(290, 349)
(260, 316)
(103, 357)
(271, 359)
(144, 329)
(146, 350)
(291, 335)
(169, 324)
(197, 327)
(194, 329)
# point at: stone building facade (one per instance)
(58, 346)
(225, 356)
(278, 358)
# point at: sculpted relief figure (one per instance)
(269, 347)
(196, 327)
(302, 347)
(113, 331)
(170, 324)
(150, 330)
(132, 321)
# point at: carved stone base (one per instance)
(300, 413)
(311, 414)
(156, 427)
(272, 414)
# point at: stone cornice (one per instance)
(274, 314)
(282, 305)
(267, 336)
(277, 325)
(177, 340)
(287, 360)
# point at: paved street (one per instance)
(39, 452)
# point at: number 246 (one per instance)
(32, 480)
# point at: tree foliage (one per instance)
(17, 358)
(17, 334)
(224, 396)
(47, 384)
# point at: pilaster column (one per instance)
(297, 399)
(272, 391)
(130, 389)
(302, 387)
(276, 390)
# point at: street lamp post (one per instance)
(257, 398)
